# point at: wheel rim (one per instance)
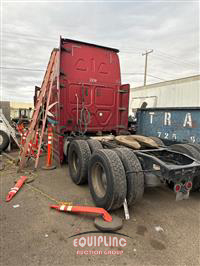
(74, 162)
(99, 180)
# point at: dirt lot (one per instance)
(34, 234)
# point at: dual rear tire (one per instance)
(78, 157)
(107, 180)
(134, 175)
(112, 175)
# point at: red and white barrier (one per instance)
(15, 189)
(84, 209)
(49, 159)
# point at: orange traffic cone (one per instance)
(104, 222)
(84, 209)
(17, 186)
(49, 165)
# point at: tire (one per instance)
(124, 132)
(4, 140)
(191, 151)
(78, 158)
(158, 141)
(195, 145)
(94, 145)
(187, 149)
(107, 179)
(135, 181)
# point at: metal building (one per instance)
(184, 92)
(15, 108)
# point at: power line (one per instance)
(27, 39)
(37, 37)
(29, 35)
(156, 77)
(18, 37)
(174, 57)
(149, 75)
(128, 52)
(166, 56)
(42, 70)
(23, 69)
(171, 61)
(163, 71)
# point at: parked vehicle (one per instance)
(10, 118)
(4, 134)
(90, 121)
(23, 116)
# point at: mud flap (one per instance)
(182, 195)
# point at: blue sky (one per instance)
(31, 29)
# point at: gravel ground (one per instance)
(34, 234)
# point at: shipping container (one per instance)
(170, 124)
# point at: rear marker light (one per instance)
(188, 185)
(177, 188)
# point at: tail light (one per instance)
(177, 187)
(188, 185)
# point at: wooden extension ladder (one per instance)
(42, 99)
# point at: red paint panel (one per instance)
(90, 79)
(104, 96)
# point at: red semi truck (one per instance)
(91, 110)
(90, 97)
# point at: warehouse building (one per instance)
(13, 110)
(20, 108)
(184, 92)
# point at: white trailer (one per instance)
(184, 92)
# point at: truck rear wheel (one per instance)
(107, 180)
(94, 145)
(134, 175)
(4, 140)
(158, 141)
(187, 149)
(195, 145)
(191, 151)
(78, 158)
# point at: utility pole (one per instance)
(145, 68)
